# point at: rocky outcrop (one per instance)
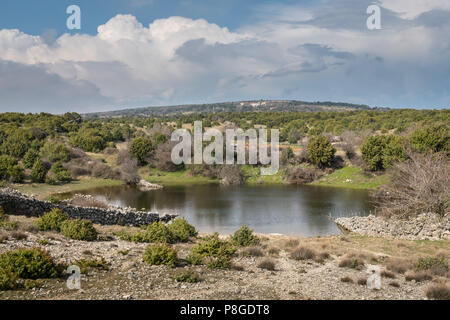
(146, 186)
(16, 203)
(427, 226)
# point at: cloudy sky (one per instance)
(154, 52)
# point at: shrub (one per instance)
(7, 279)
(9, 170)
(160, 255)
(380, 152)
(438, 292)
(420, 185)
(267, 264)
(30, 158)
(212, 246)
(194, 259)
(18, 235)
(219, 262)
(59, 173)
(252, 252)
(387, 274)
(129, 171)
(187, 276)
(320, 151)
(303, 253)
(351, 261)
(434, 138)
(9, 225)
(52, 220)
(30, 264)
(79, 230)
(3, 216)
(55, 152)
(432, 264)
(141, 149)
(244, 237)
(362, 281)
(399, 265)
(418, 276)
(158, 232)
(182, 230)
(347, 279)
(86, 265)
(38, 171)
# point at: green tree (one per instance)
(141, 148)
(320, 151)
(38, 171)
(435, 138)
(380, 152)
(55, 151)
(10, 170)
(30, 158)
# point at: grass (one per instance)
(253, 176)
(44, 191)
(183, 177)
(352, 177)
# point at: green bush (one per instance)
(30, 158)
(195, 259)
(30, 264)
(432, 263)
(160, 255)
(85, 265)
(380, 152)
(187, 276)
(244, 237)
(212, 246)
(79, 230)
(181, 230)
(55, 152)
(219, 262)
(10, 170)
(7, 279)
(320, 151)
(141, 148)
(59, 174)
(435, 139)
(52, 220)
(158, 232)
(38, 171)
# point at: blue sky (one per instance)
(153, 52)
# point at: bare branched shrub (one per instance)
(300, 175)
(129, 171)
(87, 202)
(439, 291)
(161, 158)
(420, 185)
(231, 175)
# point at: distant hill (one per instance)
(239, 106)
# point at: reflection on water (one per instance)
(292, 210)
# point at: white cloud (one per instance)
(180, 60)
(410, 9)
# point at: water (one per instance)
(290, 210)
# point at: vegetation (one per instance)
(187, 276)
(160, 255)
(181, 230)
(52, 220)
(79, 230)
(321, 152)
(244, 237)
(30, 264)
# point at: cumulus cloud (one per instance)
(324, 53)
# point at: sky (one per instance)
(140, 53)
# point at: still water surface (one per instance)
(291, 210)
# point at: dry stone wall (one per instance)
(16, 203)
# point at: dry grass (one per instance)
(18, 235)
(387, 274)
(236, 267)
(439, 291)
(362, 281)
(394, 284)
(347, 279)
(399, 265)
(273, 251)
(252, 252)
(418, 276)
(291, 243)
(267, 264)
(352, 260)
(303, 253)
(88, 202)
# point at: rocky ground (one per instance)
(427, 226)
(128, 277)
